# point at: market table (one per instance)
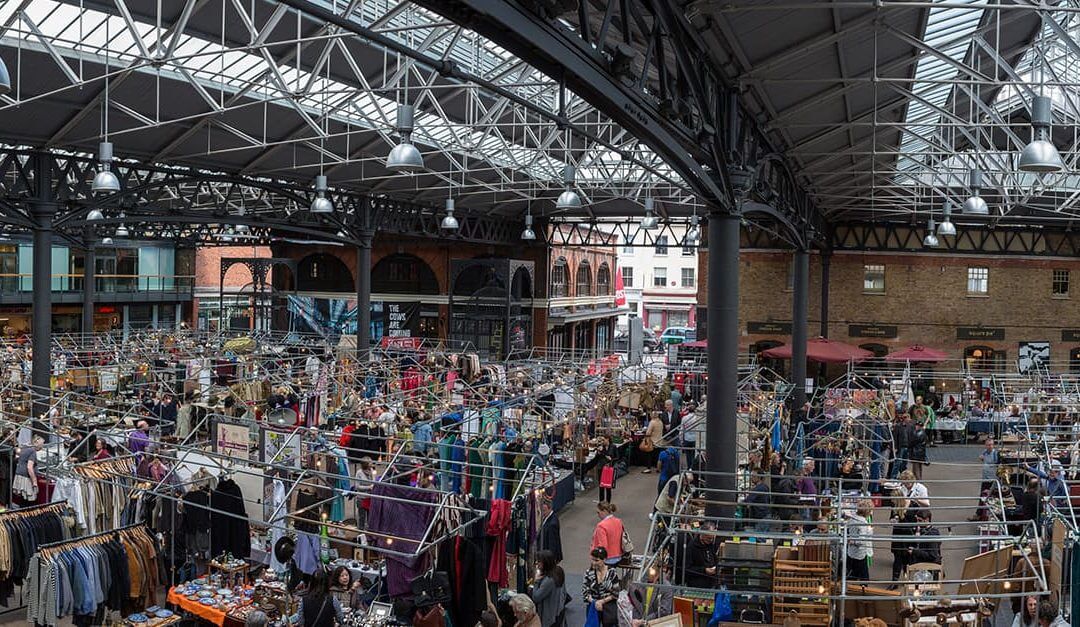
(206, 613)
(564, 491)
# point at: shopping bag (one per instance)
(721, 608)
(592, 619)
(607, 477)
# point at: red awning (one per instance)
(823, 351)
(917, 353)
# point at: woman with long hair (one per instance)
(549, 590)
(608, 533)
(319, 608)
(600, 587)
(1028, 616)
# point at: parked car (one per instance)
(649, 342)
(678, 335)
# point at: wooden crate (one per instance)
(798, 581)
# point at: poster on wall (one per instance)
(1034, 356)
(281, 447)
(400, 318)
(232, 440)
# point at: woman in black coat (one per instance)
(917, 450)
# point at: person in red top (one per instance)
(608, 533)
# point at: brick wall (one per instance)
(208, 265)
(925, 298)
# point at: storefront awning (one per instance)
(589, 314)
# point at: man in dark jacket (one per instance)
(550, 534)
(701, 558)
(759, 503)
(927, 545)
(901, 440)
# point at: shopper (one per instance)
(139, 439)
(859, 546)
(24, 486)
(916, 492)
(524, 611)
(927, 545)
(673, 423)
(550, 534)
(917, 449)
(807, 489)
(667, 465)
(851, 479)
(549, 589)
(1049, 615)
(319, 608)
(103, 450)
(600, 587)
(344, 590)
(678, 489)
(654, 434)
(605, 473)
(701, 558)
(257, 618)
(759, 502)
(901, 440)
(608, 533)
(989, 458)
(1052, 483)
(1028, 616)
(900, 516)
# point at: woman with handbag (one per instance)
(653, 441)
(600, 588)
(606, 472)
(319, 608)
(608, 533)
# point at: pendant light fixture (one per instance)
(106, 241)
(931, 240)
(5, 79)
(569, 199)
(94, 215)
(105, 182)
(449, 223)
(946, 228)
(121, 230)
(321, 204)
(975, 205)
(405, 157)
(649, 222)
(528, 234)
(693, 235)
(1040, 156)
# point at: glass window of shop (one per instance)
(9, 268)
(236, 308)
(156, 268)
(677, 318)
(656, 319)
(26, 265)
(984, 359)
(140, 316)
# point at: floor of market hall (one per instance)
(634, 494)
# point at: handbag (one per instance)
(607, 476)
(592, 618)
(430, 588)
(627, 544)
(646, 445)
(610, 613)
(433, 617)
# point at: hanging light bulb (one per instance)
(528, 234)
(105, 182)
(321, 204)
(94, 215)
(449, 223)
(946, 228)
(975, 205)
(1040, 155)
(649, 222)
(693, 236)
(405, 157)
(106, 241)
(931, 240)
(569, 199)
(5, 79)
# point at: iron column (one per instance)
(801, 270)
(88, 285)
(363, 293)
(722, 323)
(42, 209)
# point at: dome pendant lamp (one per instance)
(946, 228)
(5, 79)
(975, 205)
(931, 240)
(449, 223)
(105, 182)
(528, 234)
(1040, 156)
(650, 221)
(321, 204)
(405, 157)
(569, 199)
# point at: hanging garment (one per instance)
(498, 527)
(457, 464)
(277, 522)
(230, 528)
(404, 521)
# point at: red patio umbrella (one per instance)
(822, 350)
(917, 353)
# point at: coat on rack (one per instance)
(230, 529)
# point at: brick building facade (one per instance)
(978, 308)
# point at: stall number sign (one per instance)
(397, 319)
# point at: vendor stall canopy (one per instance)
(242, 120)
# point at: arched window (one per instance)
(603, 280)
(559, 278)
(984, 359)
(324, 273)
(403, 274)
(583, 282)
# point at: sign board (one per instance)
(886, 331)
(980, 333)
(399, 318)
(232, 440)
(769, 328)
(404, 343)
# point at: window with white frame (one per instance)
(627, 276)
(978, 281)
(874, 278)
(688, 277)
(661, 244)
(688, 251)
(1060, 285)
(628, 245)
(659, 277)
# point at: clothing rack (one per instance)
(59, 506)
(92, 537)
